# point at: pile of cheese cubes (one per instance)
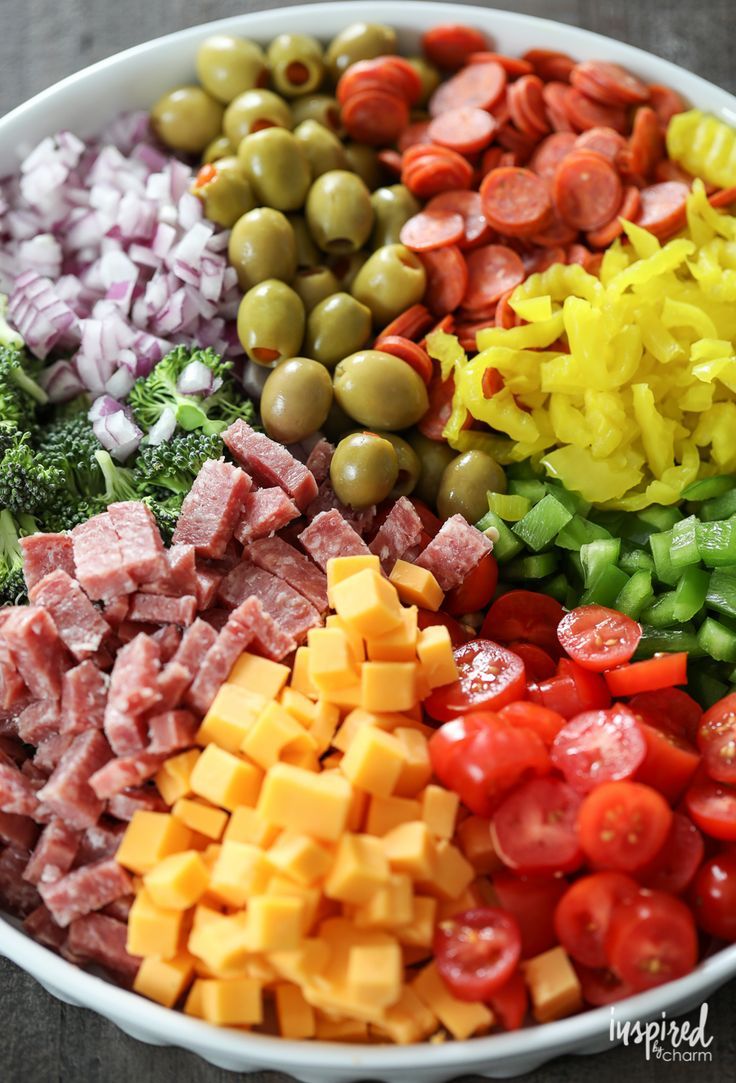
(308, 856)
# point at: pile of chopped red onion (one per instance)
(106, 259)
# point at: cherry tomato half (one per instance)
(511, 1001)
(623, 825)
(458, 634)
(539, 665)
(662, 671)
(600, 987)
(670, 762)
(583, 914)
(477, 951)
(714, 896)
(490, 677)
(534, 829)
(476, 591)
(717, 739)
(712, 807)
(651, 940)
(523, 614)
(669, 709)
(599, 746)
(572, 691)
(598, 638)
(532, 901)
(677, 862)
(532, 716)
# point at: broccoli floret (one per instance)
(175, 464)
(119, 480)
(166, 509)
(153, 394)
(108, 483)
(70, 443)
(29, 482)
(12, 584)
(20, 395)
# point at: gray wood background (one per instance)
(44, 1041)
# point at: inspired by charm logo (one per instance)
(665, 1039)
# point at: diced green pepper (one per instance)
(557, 587)
(717, 640)
(717, 543)
(661, 544)
(532, 567)
(721, 594)
(684, 550)
(532, 490)
(661, 613)
(579, 532)
(605, 589)
(508, 545)
(722, 507)
(543, 523)
(508, 507)
(656, 640)
(635, 560)
(598, 555)
(662, 518)
(704, 687)
(709, 488)
(690, 593)
(574, 502)
(635, 595)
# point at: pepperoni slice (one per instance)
(515, 201)
(556, 234)
(629, 210)
(447, 279)
(609, 83)
(587, 190)
(491, 160)
(492, 271)
(578, 253)
(584, 112)
(519, 142)
(526, 105)
(408, 351)
(663, 208)
(411, 323)
(479, 85)
(665, 102)
(514, 66)
(407, 74)
(506, 318)
(469, 206)
(465, 130)
(432, 229)
(724, 198)
(375, 116)
(414, 134)
(392, 74)
(646, 144)
(449, 46)
(540, 260)
(555, 99)
(667, 170)
(603, 141)
(551, 151)
(550, 64)
(436, 169)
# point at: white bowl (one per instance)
(84, 103)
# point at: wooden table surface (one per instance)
(43, 1040)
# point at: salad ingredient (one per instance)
(297, 380)
(390, 281)
(623, 825)
(224, 190)
(489, 678)
(228, 66)
(314, 284)
(252, 111)
(262, 245)
(652, 937)
(598, 638)
(534, 827)
(296, 64)
(477, 952)
(703, 145)
(434, 457)
(277, 167)
(597, 746)
(338, 212)
(321, 147)
(364, 469)
(359, 41)
(187, 119)
(271, 322)
(713, 896)
(465, 484)
(378, 390)
(12, 586)
(583, 914)
(393, 206)
(337, 326)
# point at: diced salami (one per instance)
(38, 721)
(171, 731)
(97, 938)
(212, 508)
(100, 841)
(133, 692)
(399, 532)
(217, 617)
(264, 512)
(11, 749)
(116, 610)
(140, 540)
(360, 519)
(18, 830)
(270, 463)
(44, 553)
(12, 686)
(83, 698)
(168, 639)
(173, 681)
(179, 576)
(269, 639)
(17, 793)
(454, 552)
(281, 559)
(48, 754)
(124, 805)
(295, 615)
(54, 853)
(84, 890)
(34, 644)
(68, 792)
(16, 894)
(162, 609)
(41, 926)
(80, 625)
(120, 774)
(195, 643)
(208, 583)
(237, 634)
(120, 908)
(328, 536)
(98, 559)
(129, 630)
(319, 459)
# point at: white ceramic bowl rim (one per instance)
(74, 97)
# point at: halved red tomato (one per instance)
(477, 952)
(600, 986)
(476, 591)
(459, 635)
(597, 637)
(534, 829)
(677, 862)
(714, 896)
(572, 690)
(670, 762)
(545, 723)
(532, 901)
(652, 939)
(489, 677)
(539, 665)
(712, 807)
(524, 614)
(669, 709)
(717, 739)
(599, 746)
(623, 825)
(583, 914)
(510, 1002)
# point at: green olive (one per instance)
(434, 456)
(226, 193)
(429, 76)
(276, 167)
(314, 284)
(307, 253)
(261, 246)
(221, 147)
(336, 327)
(323, 149)
(390, 280)
(339, 212)
(228, 66)
(337, 424)
(361, 41)
(271, 322)
(363, 160)
(364, 469)
(252, 112)
(380, 391)
(187, 119)
(296, 399)
(297, 65)
(392, 206)
(346, 267)
(465, 484)
(410, 467)
(320, 107)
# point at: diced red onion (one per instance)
(61, 382)
(196, 379)
(118, 434)
(163, 429)
(120, 382)
(103, 407)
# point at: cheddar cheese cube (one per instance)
(221, 944)
(300, 679)
(241, 870)
(172, 777)
(331, 663)
(164, 980)
(385, 813)
(359, 869)
(259, 675)
(416, 586)
(275, 922)
(233, 711)
(300, 857)
(447, 908)
(225, 779)
(323, 725)
(356, 719)
(439, 808)
(375, 972)
(345, 698)
(408, 1020)
(452, 873)
(153, 930)
(302, 801)
(476, 842)
(301, 964)
(553, 985)
(416, 770)
(410, 848)
(388, 686)
(367, 603)
(300, 706)
(273, 731)
(234, 1003)
(398, 645)
(201, 817)
(341, 568)
(355, 639)
(193, 1003)
(460, 1017)
(391, 905)
(301, 756)
(434, 650)
(419, 932)
(245, 825)
(331, 1029)
(179, 881)
(357, 811)
(374, 761)
(295, 1017)
(150, 837)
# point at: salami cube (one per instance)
(54, 854)
(18, 831)
(264, 512)
(83, 698)
(294, 614)
(44, 553)
(80, 625)
(171, 731)
(212, 508)
(17, 793)
(16, 894)
(84, 890)
(13, 691)
(38, 721)
(118, 775)
(100, 841)
(140, 540)
(195, 643)
(328, 536)
(47, 756)
(173, 681)
(319, 459)
(360, 519)
(41, 926)
(68, 792)
(100, 939)
(281, 559)
(133, 692)
(168, 639)
(270, 463)
(124, 805)
(238, 633)
(162, 609)
(31, 636)
(454, 552)
(98, 559)
(208, 583)
(400, 531)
